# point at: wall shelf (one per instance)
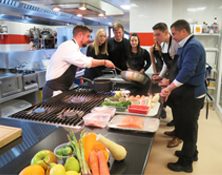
(211, 43)
(208, 49)
(46, 43)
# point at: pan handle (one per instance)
(119, 69)
(113, 71)
(83, 78)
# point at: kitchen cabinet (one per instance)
(211, 43)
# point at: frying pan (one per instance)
(133, 76)
(100, 85)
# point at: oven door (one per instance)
(10, 85)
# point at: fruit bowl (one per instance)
(61, 159)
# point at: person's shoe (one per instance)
(163, 114)
(170, 133)
(178, 154)
(171, 123)
(178, 167)
(174, 142)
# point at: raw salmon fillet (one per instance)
(131, 122)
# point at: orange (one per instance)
(33, 170)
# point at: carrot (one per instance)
(103, 167)
(93, 163)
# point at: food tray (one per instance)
(105, 109)
(150, 124)
(152, 111)
(96, 119)
(138, 109)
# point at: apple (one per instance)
(44, 158)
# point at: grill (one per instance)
(64, 109)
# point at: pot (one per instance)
(100, 85)
(46, 34)
(134, 76)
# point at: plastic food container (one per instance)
(96, 119)
(125, 93)
(61, 159)
(135, 101)
(139, 109)
(120, 109)
(104, 110)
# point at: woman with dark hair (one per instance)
(138, 58)
(155, 55)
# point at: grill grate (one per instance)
(56, 108)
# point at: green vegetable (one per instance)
(59, 152)
(66, 151)
(70, 145)
(120, 104)
(79, 151)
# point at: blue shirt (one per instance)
(191, 66)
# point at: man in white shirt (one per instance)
(63, 64)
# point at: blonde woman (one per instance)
(97, 50)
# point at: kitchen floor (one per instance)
(209, 146)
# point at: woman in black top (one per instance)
(97, 50)
(155, 55)
(138, 58)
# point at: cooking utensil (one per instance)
(34, 32)
(119, 69)
(100, 85)
(133, 76)
(46, 34)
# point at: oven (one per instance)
(10, 84)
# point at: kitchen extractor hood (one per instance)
(22, 12)
(84, 9)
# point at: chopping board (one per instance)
(8, 134)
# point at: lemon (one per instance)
(72, 173)
(117, 94)
(57, 169)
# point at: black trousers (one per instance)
(186, 111)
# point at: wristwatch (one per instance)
(168, 87)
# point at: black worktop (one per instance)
(39, 136)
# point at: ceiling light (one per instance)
(101, 14)
(125, 7)
(133, 5)
(56, 9)
(82, 7)
(191, 10)
(79, 15)
(196, 9)
(201, 8)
